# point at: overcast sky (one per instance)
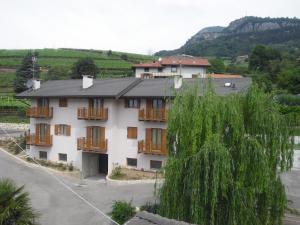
(139, 26)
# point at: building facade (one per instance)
(99, 124)
(183, 65)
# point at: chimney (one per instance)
(36, 84)
(177, 81)
(87, 81)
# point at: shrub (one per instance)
(122, 211)
(117, 173)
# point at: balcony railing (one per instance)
(151, 149)
(32, 139)
(159, 115)
(40, 112)
(92, 113)
(87, 145)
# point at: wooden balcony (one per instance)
(156, 115)
(92, 114)
(40, 112)
(151, 149)
(32, 139)
(86, 145)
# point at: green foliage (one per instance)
(236, 42)
(225, 154)
(85, 66)
(117, 173)
(25, 72)
(264, 59)
(15, 207)
(217, 65)
(57, 73)
(289, 78)
(122, 211)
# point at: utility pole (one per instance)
(33, 58)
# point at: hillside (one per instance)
(240, 36)
(110, 64)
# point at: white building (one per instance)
(98, 124)
(183, 65)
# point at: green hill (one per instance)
(111, 64)
(241, 36)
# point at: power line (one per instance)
(64, 184)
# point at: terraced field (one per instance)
(114, 64)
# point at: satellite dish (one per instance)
(29, 83)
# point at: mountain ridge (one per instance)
(217, 40)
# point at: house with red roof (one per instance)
(182, 65)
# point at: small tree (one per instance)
(225, 155)
(57, 73)
(124, 57)
(25, 72)
(217, 66)
(15, 205)
(84, 66)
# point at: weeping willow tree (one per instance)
(225, 156)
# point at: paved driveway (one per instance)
(58, 206)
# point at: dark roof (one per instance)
(145, 218)
(163, 87)
(129, 87)
(73, 88)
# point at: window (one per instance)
(159, 70)
(132, 103)
(95, 135)
(173, 69)
(146, 69)
(43, 130)
(132, 162)
(62, 157)
(96, 103)
(43, 102)
(62, 129)
(42, 155)
(132, 132)
(63, 102)
(155, 164)
(157, 103)
(156, 138)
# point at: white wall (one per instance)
(119, 147)
(186, 71)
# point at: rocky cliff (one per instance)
(281, 33)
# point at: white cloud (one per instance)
(131, 25)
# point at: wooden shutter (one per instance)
(102, 133)
(149, 104)
(148, 139)
(132, 132)
(63, 102)
(163, 141)
(56, 128)
(88, 136)
(102, 137)
(48, 127)
(37, 133)
(68, 130)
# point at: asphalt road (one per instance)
(58, 206)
